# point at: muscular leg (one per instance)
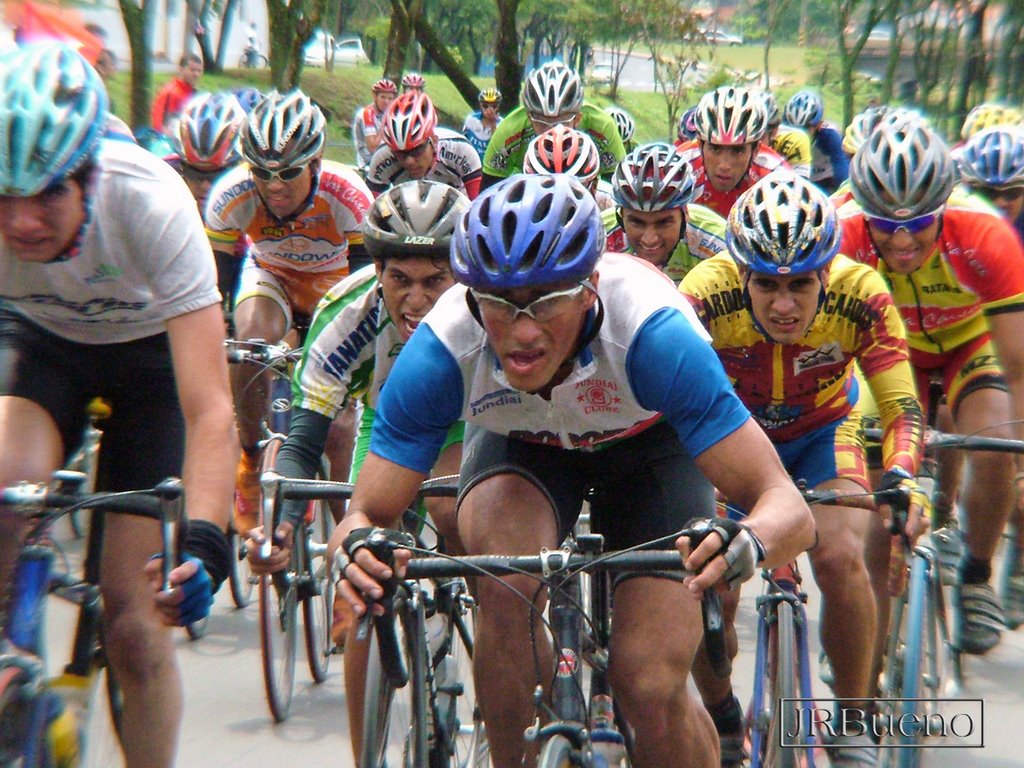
(506, 514)
(657, 630)
(876, 558)
(30, 449)
(848, 616)
(988, 494)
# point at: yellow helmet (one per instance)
(990, 115)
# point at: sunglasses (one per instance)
(999, 193)
(285, 174)
(411, 153)
(912, 226)
(191, 173)
(547, 307)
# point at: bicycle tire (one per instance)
(395, 720)
(915, 634)
(318, 608)
(783, 686)
(240, 577)
(557, 752)
(197, 629)
(279, 613)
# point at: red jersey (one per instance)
(764, 161)
(169, 103)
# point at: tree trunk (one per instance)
(139, 22)
(226, 23)
(508, 72)
(439, 52)
(973, 76)
(399, 34)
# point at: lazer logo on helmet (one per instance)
(418, 240)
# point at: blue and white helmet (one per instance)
(993, 158)
(528, 230)
(804, 110)
(53, 109)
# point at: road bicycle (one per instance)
(567, 737)
(36, 724)
(253, 59)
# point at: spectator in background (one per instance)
(171, 99)
(480, 125)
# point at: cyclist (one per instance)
(789, 319)
(954, 270)
(414, 147)
(792, 143)
(304, 217)
(829, 164)
(366, 125)
(570, 369)
(480, 125)
(992, 165)
(990, 115)
(248, 97)
(415, 82)
(552, 95)
(108, 288)
(407, 231)
(655, 218)
(626, 125)
(687, 130)
(207, 147)
(728, 156)
(566, 150)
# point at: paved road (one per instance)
(227, 722)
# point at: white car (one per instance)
(601, 73)
(349, 50)
(720, 37)
(319, 49)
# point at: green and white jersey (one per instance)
(704, 238)
(507, 147)
(350, 347)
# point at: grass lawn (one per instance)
(347, 88)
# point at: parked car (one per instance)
(601, 73)
(349, 50)
(721, 37)
(319, 49)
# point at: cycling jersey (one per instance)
(507, 147)
(107, 293)
(477, 133)
(976, 268)
(795, 146)
(764, 161)
(316, 239)
(794, 389)
(639, 366)
(456, 164)
(829, 165)
(365, 123)
(704, 237)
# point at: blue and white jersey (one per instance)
(828, 160)
(477, 133)
(650, 359)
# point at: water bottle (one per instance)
(28, 599)
(605, 739)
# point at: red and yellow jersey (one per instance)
(764, 161)
(977, 268)
(794, 389)
(315, 240)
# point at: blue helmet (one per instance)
(804, 110)
(248, 97)
(993, 158)
(688, 125)
(53, 108)
(528, 230)
(783, 225)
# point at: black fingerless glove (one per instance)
(208, 542)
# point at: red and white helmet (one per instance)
(413, 80)
(384, 86)
(409, 121)
(564, 150)
(731, 116)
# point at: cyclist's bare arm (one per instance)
(383, 491)
(211, 441)
(745, 468)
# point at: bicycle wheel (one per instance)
(784, 715)
(557, 753)
(395, 719)
(318, 604)
(279, 613)
(914, 651)
(240, 577)
(197, 629)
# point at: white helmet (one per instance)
(552, 89)
(731, 116)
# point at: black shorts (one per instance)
(640, 489)
(143, 440)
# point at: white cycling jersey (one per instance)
(455, 163)
(144, 257)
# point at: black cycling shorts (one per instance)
(143, 440)
(640, 489)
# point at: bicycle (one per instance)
(400, 645)
(31, 709)
(253, 59)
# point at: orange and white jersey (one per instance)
(315, 240)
